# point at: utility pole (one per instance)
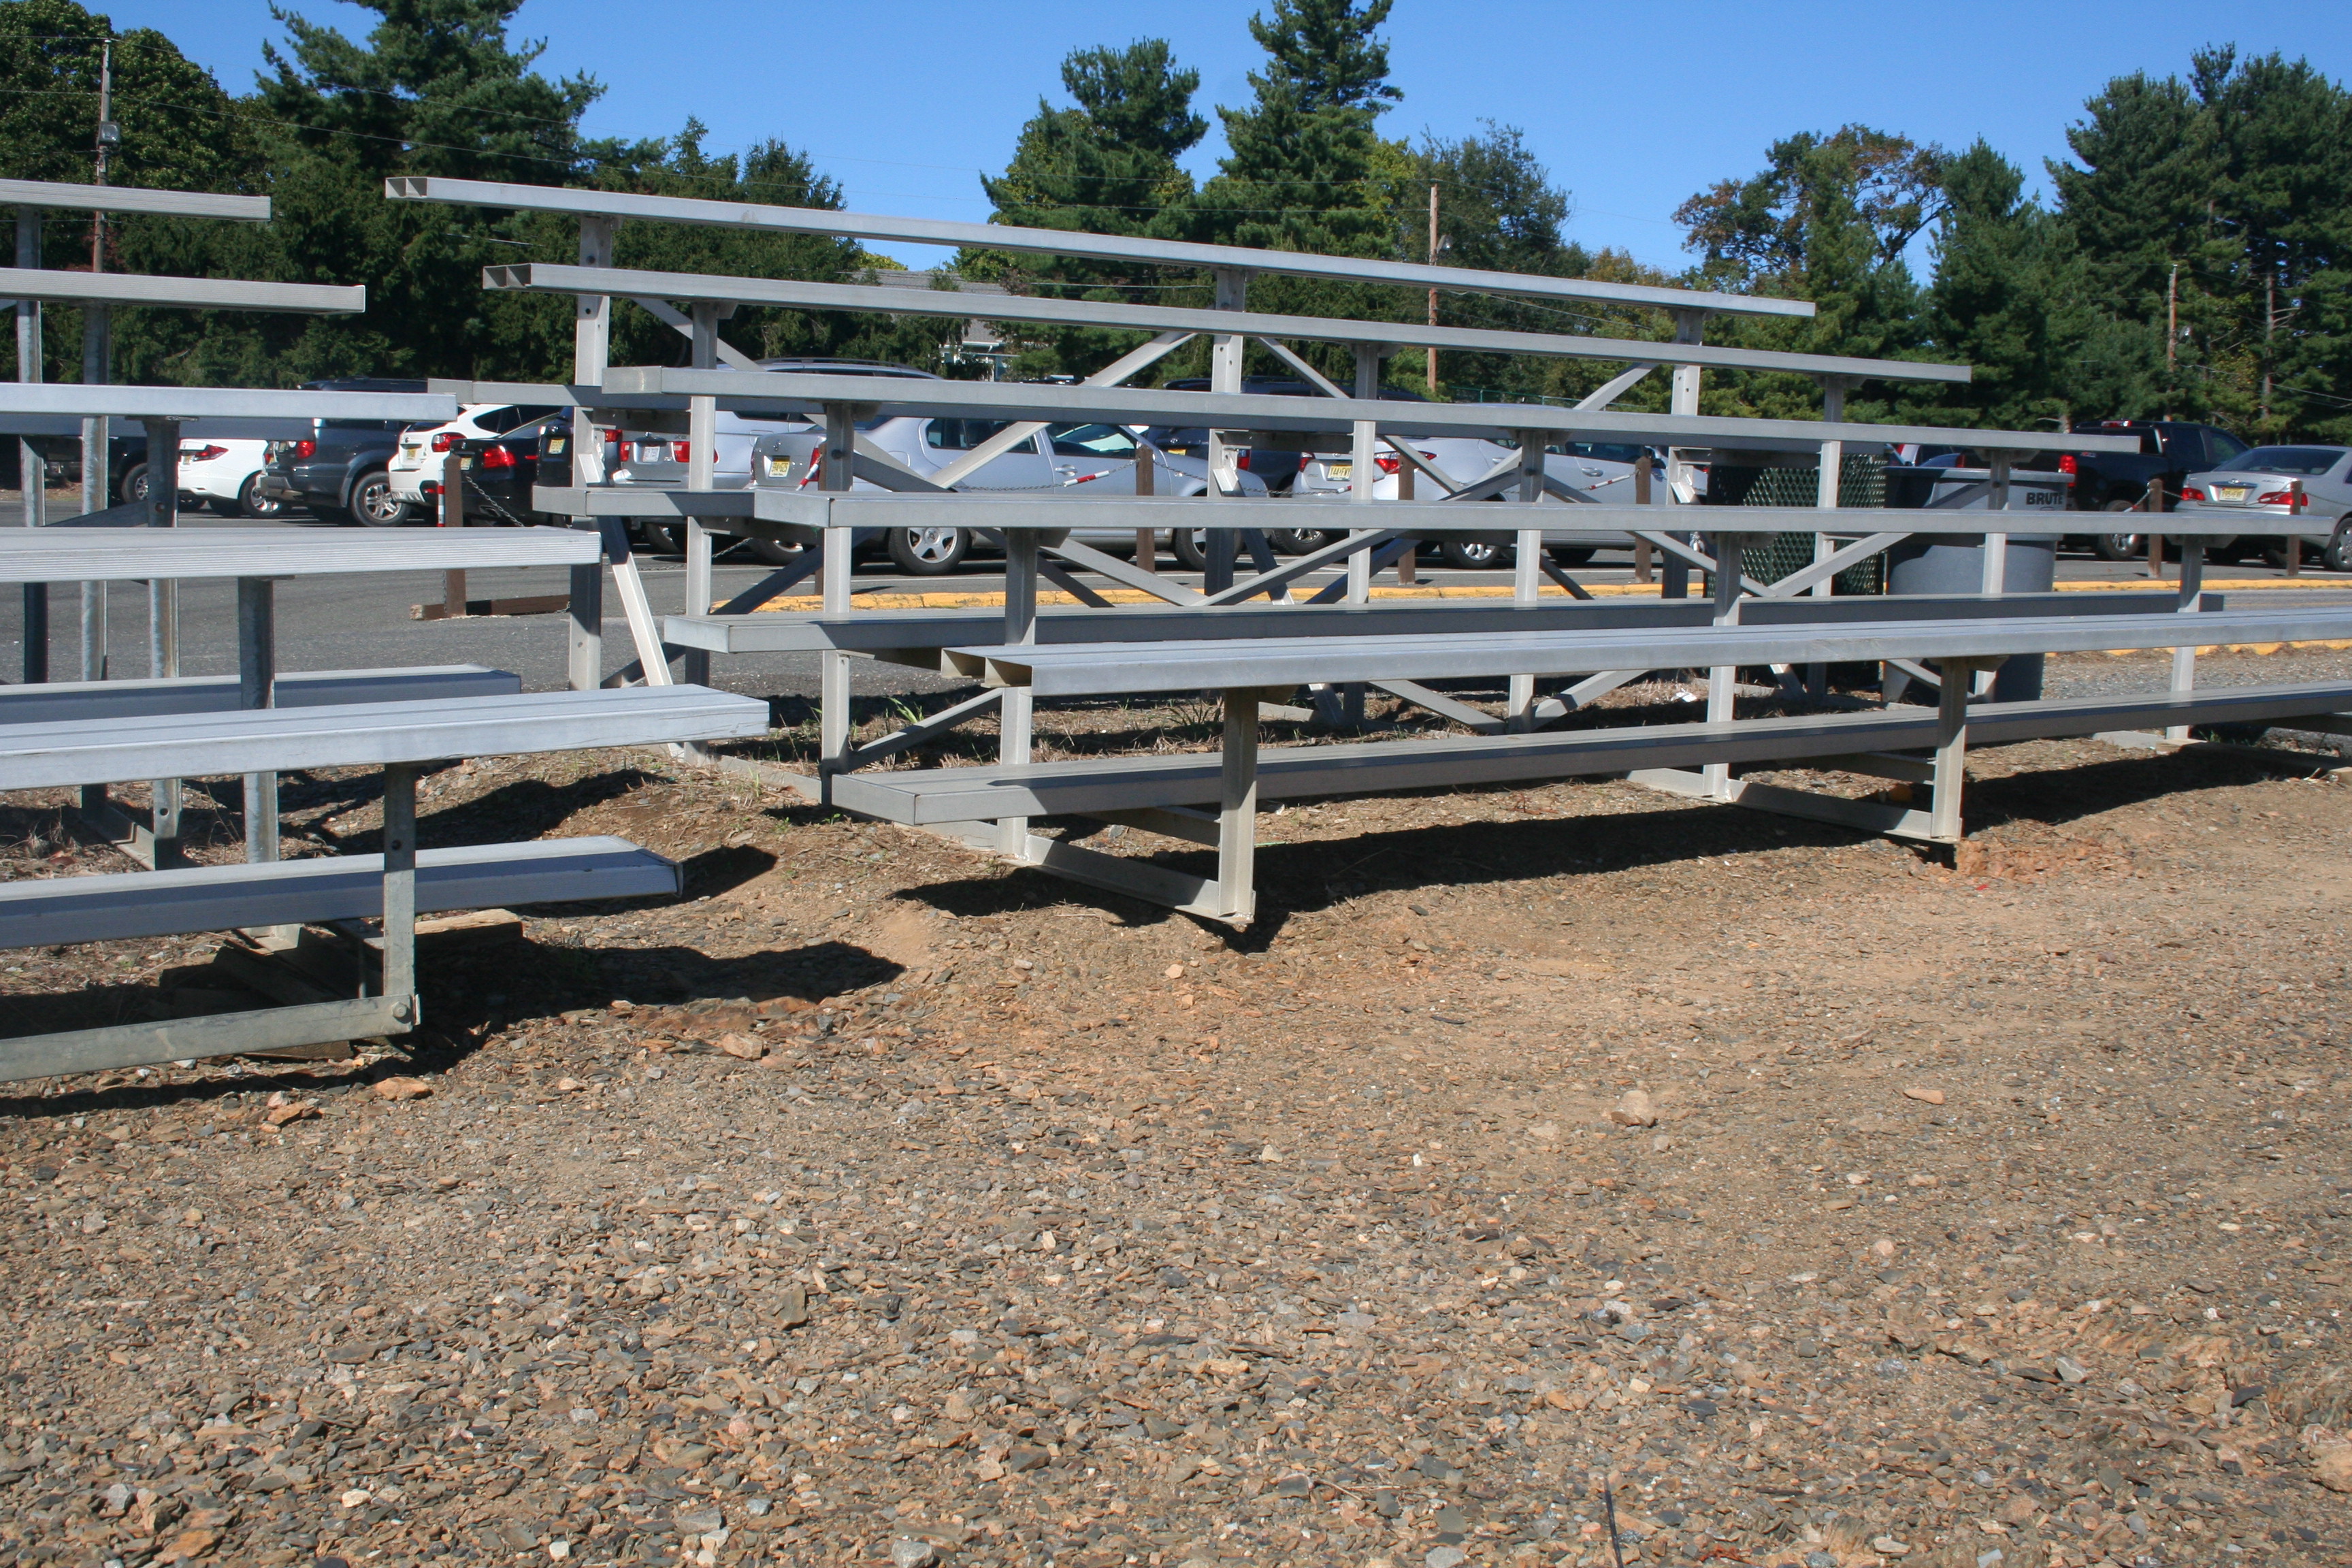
(1432, 352)
(2172, 320)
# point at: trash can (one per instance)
(1954, 563)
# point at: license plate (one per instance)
(464, 462)
(2231, 493)
(2053, 499)
(779, 467)
(1340, 470)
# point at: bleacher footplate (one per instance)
(115, 906)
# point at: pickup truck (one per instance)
(2170, 450)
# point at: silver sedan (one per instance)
(2267, 480)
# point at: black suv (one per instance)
(338, 471)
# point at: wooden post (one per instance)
(1146, 482)
(1643, 570)
(453, 515)
(1407, 561)
(2293, 541)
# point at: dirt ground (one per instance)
(1827, 1206)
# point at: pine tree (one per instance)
(1304, 165)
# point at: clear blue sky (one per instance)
(1633, 108)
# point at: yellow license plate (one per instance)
(2231, 493)
(464, 462)
(779, 467)
(1340, 470)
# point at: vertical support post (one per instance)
(1722, 702)
(1237, 810)
(31, 467)
(400, 886)
(2184, 658)
(1363, 469)
(2153, 501)
(1951, 749)
(1643, 568)
(1016, 710)
(839, 544)
(1995, 577)
(591, 349)
(164, 620)
(97, 487)
(1225, 359)
(257, 683)
(1825, 497)
(1527, 560)
(701, 466)
(1690, 327)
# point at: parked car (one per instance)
(1057, 462)
(1601, 469)
(423, 447)
(226, 475)
(499, 470)
(2262, 479)
(340, 472)
(2170, 451)
(61, 463)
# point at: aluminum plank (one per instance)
(186, 293)
(1201, 665)
(127, 402)
(1060, 242)
(1291, 772)
(1263, 410)
(115, 906)
(560, 278)
(64, 553)
(65, 701)
(280, 740)
(132, 199)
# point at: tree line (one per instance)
(2192, 261)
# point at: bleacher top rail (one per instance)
(1059, 242)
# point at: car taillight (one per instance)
(2275, 498)
(201, 454)
(445, 439)
(498, 457)
(306, 448)
(2191, 492)
(2066, 463)
(1388, 462)
(1243, 461)
(681, 451)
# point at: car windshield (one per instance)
(1091, 441)
(2309, 462)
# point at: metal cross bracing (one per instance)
(1036, 533)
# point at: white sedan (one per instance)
(423, 447)
(221, 474)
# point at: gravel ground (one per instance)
(1827, 1206)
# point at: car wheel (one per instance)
(133, 488)
(1294, 540)
(1571, 555)
(2338, 554)
(1191, 548)
(774, 552)
(927, 551)
(373, 505)
(2118, 546)
(1475, 554)
(253, 503)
